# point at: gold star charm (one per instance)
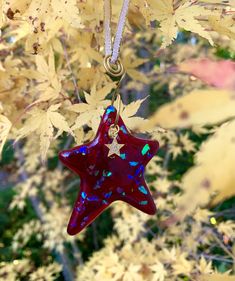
(114, 148)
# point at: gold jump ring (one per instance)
(113, 131)
(114, 70)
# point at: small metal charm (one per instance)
(114, 147)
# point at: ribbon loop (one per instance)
(114, 53)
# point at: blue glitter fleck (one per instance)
(110, 109)
(108, 195)
(145, 202)
(123, 155)
(124, 193)
(140, 170)
(143, 189)
(83, 194)
(130, 177)
(133, 163)
(66, 154)
(82, 150)
(93, 198)
(145, 149)
(123, 129)
(150, 155)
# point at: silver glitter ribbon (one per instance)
(114, 53)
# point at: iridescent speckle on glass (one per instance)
(107, 179)
(145, 149)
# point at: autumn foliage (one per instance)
(179, 89)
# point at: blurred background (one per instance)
(179, 89)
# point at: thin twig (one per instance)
(72, 184)
(223, 246)
(76, 90)
(35, 201)
(77, 253)
(216, 258)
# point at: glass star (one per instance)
(106, 179)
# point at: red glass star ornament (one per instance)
(109, 171)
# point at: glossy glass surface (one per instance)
(106, 179)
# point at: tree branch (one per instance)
(76, 90)
(35, 201)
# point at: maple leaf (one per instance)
(199, 107)
(128, 112)
(223, 26)
(204, 267)
(218, 277)
(159, 272)
(90, 112)
(49, 84)
(184, 16)
(43, 123)
(227, 228)
(83, 52)
(5, 126)
(1, 14)
(182, 265)
(37, 10)
(132, 273)
(130, 64)
(209, 175)
(68, 11)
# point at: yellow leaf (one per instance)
(43, 123)
(1, 14)
(182, 265)
(218, 277)
(129, 111)
(58, 121)
(159, 271)
(132, 108)
(130, 64)
(36, 9)
(5, 126)
(98, 95)
(209, 175)
(224, 26)
(227, 228)
(91, 112)
(46, 135)
(48, 84)
(79, 107)
(184, 16)
(68, 11)
(31, 124)
(204, 267)
(199, 107)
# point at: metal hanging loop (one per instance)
(114, 70)
(113, 131)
